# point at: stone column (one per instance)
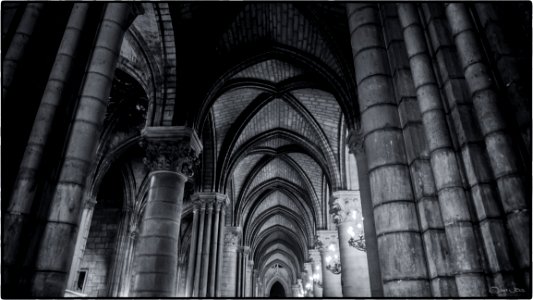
(503, 161)
(207, 260)
(249, 274)
(214, 254)
(328, 246)
(18, 44)
(171, 153)
(21, 200)
(345, 207)
(403, 266)
(116, 274)
(356, 147)
(199, 247)
(206, 249)
(58, 240)
(231, 245)
(516, 87)
(445, 167)
(316, 260)
(220, 241)
(295, 288)
(192, 251)
(244, 270)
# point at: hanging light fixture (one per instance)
(358, 243)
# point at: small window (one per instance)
(82, 275)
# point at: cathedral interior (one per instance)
(272, 149)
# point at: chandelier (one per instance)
(358, 243)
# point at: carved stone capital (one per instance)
(245, 250)
(232, 238)
(173, 148)
(345, 206)
(356, 141)
(314, 255)
(325, 238)
(211, 199)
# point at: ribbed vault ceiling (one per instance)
(275, 126)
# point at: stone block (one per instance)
(395, 216)
(384, 147)
(429, 212)
(390, 183)
(373, 90)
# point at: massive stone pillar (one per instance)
(502, 157)
(295, 290)
(17, 47)
(243, 271)
(418, 158)
(345, 207)
(316, 263)
(452, 197)
(472, 149)
(171, 153)
(329, 254)
(21, 200)
(58, 240)
(203, 264)
(229, 266)
(507, 63)
(403, 266)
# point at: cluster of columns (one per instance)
(56, 247)
(206, 251)
(439, 200)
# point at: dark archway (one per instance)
(277, 290)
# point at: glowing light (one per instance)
(350, 231)
(359, 225)
(331, 247)
(354, 214)
(328, 259)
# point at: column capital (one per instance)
(324, 238)
(218, 199)
(232, 238)
(314, 255)
(171, 148)
(356, 141)
(345, 206)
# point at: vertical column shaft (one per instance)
(214, 253)
(371, 241)
(16, 49)
(497, 141)
(403, 266)
(451, 194)
(57, 243)
(230, 264)
(507, 64)
(331, 283)
(197, 269)
(192, 252)
(206, 250)
(21, 200)
(220, 254)
(158, 242)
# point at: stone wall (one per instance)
(99, 250)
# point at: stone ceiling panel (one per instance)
(277, 168)
(242, 169)
(228, 107)
(325, 109)
(272, 70)
(277, 114)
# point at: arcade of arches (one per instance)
(266, 149)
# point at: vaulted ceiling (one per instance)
(271, 94)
